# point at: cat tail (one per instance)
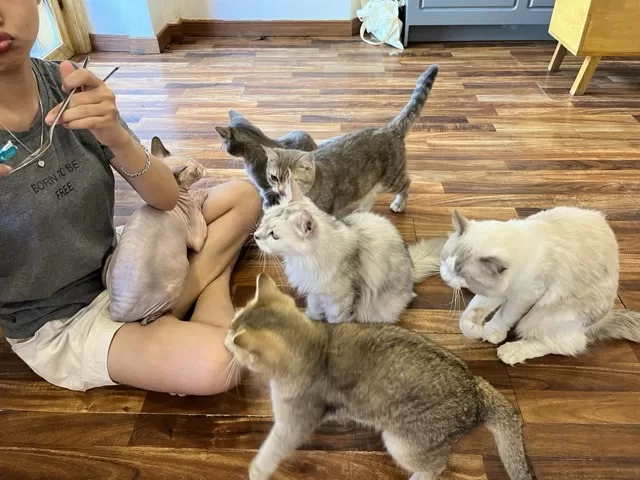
(401, 125)
(619, 324)
(425, 256)
(504, 423)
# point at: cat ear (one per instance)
(249, 340)
(272, 155)
(306, 224)
(158, 149)
(460, 223)
(293, 189)
(494, 264)
(266, 288)
(180, 173)
(307, 162)
(233, 114)
(263, 346)
(224, 132)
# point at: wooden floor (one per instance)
(499, 138)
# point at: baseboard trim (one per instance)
(356, 24)
(223, 28)
(124, 43)
(168, 33)
(272, 28)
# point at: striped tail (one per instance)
(404, 121)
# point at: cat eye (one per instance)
(273, 178)
(274, 236)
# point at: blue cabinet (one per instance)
(481, 19)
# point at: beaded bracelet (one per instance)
(146, 168)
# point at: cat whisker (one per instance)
(230, 371)
(264, 261)
(455, 302)
(464, 302)
(238, 378)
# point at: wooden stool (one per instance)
(594, 28)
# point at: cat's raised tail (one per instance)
(402, 124)
(619, 324)
(425, 256)
(503, 422)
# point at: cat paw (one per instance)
(494, 335)
(512, 353)
(315, 316)
(256, 473)
(181, 395)
(398, 205)
(470, 325)
(199, 197)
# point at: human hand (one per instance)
(4, 170)
(92, 107)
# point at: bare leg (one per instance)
(477, 311)
(231, 211)
(558, 56)
(189, 357)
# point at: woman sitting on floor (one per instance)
(56, 228)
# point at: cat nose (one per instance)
(256, 236)
(281, 191)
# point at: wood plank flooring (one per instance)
(499, 138)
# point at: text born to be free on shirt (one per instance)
(55, 179)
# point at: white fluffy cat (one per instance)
(357, 268)
(554, 276)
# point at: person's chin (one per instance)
(12, 59)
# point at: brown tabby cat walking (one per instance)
(422, 397)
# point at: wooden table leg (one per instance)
(584, 76)
(557, 58)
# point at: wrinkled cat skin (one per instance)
(147, 271)
(421, 397)
(243, 139)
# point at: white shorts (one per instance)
(72, 353)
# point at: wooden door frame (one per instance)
(72, 21)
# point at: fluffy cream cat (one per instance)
(554, 276)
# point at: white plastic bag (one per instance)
(381, 18)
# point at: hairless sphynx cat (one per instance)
(147, 271)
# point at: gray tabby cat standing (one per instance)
(243, 139)
(421, 397)
(357, 268)
(357, 166)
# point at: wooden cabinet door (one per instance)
(479, 12)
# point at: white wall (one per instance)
(145, 18)
(266, 9)
(120, 17)
(163, 12)
(355, 5)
